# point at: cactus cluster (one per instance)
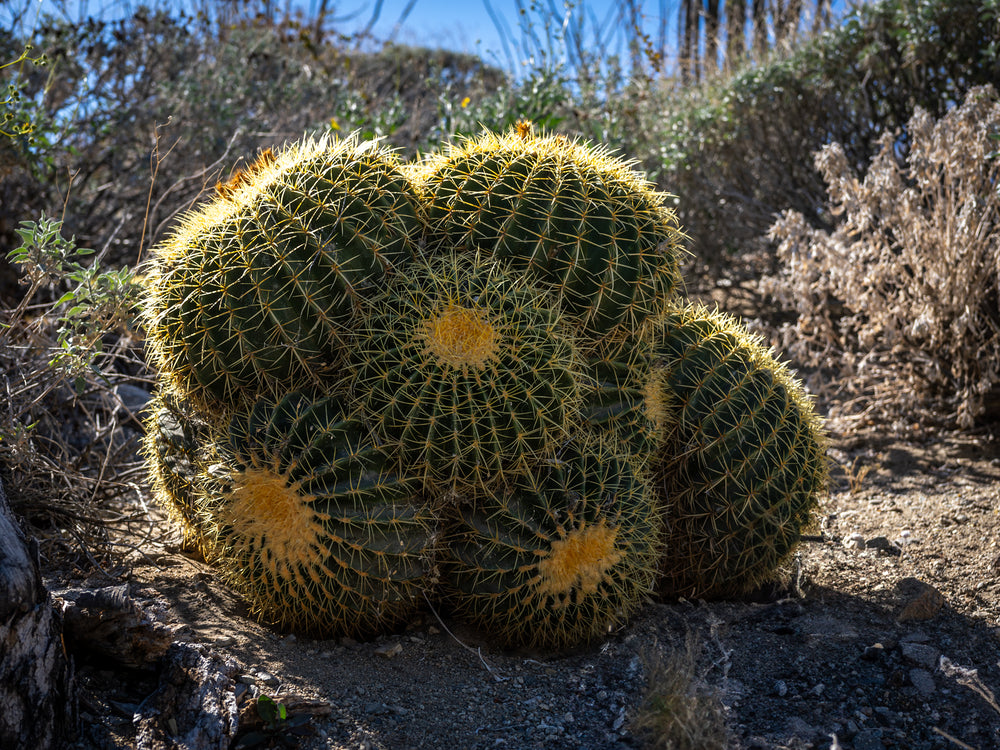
(467, 380)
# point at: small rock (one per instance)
(854, 541)
(919, 654)
(875, 652)
(267, 678)
(798, 727)
(922, 681)
(389, 650)
(883, 546)
(780, 688)
(921, 601)
(224, 640)
(869, 739)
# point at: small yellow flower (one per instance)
(465, 102)
(334, 125)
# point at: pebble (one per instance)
(919, 654)
(883, 546)
(224, 640)
(869, 739)
(854, 541)
(267, 678)
(875, 652)
(389, 650)
(923, 681)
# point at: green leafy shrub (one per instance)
(737, 150)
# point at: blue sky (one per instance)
(467, 25)
(462, 25)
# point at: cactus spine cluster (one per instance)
(469, 379)
(561, 556)
(578, 221)
(172, 446)
(308, 520)
(465, 371)
(742, 457)
(255, 291)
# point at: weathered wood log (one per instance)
(194, 707)
(113, 623)
(38, 706)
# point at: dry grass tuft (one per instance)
(680, 711)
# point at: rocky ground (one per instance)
(884, 633)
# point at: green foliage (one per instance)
(278, 728)
(739, 150)
(305, 516)
(99, 302)
(563, 555)
(741, 463)
(17, 121)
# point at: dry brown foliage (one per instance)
(903, 295)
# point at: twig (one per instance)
(476, 651)
(952, 739)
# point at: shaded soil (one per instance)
(851, 649)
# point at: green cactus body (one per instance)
(581, 223)
(172, 443)
(567, 552)
(616, 396)
(254, 291)
(742, 460)
(464, 371)
(307, 521)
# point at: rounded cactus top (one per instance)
(578, 220)
(465, 370)
(254, 291)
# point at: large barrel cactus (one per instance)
(567, 552)
(306, 519)
(580, 222)
(254, 291)
(742, 458)
(465, 371)
(471, 375)
(617, 400)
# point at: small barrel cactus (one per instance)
(305, 519)
(564, 554)
(582, 224)
(742, 460)
(464, 371)
(253, 292)
(173, 441)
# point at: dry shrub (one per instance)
(905, 291)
